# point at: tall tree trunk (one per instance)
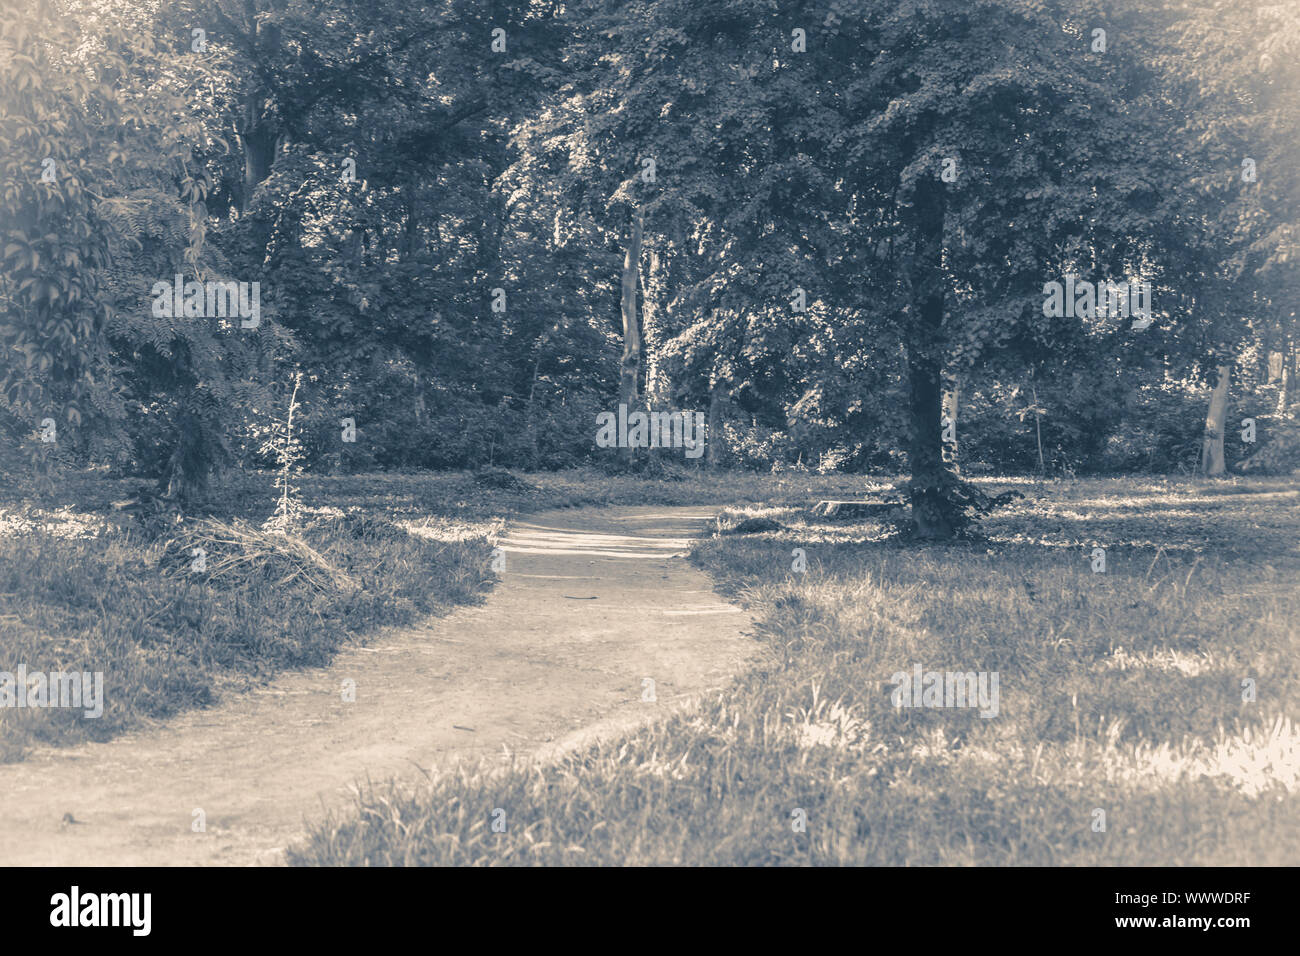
(951, 398)
(259, 140)
(260, 129)
(259, 133)
(534, 452)
(630, 367)
(651, 324)
(932, 481)
(1287, 384)
(1038, 431)
(1212, 462)
(352, 246)
(715, 451)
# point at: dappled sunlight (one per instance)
(1257, 760)
(753, 433)
(1170, 502)
(434, 528)
(59, 523)
(528, 538)
(934, 748)
(1174, 523)
(1187, 664)
(835, 725)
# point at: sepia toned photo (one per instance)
(650, 433)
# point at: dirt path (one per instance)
(591, 603)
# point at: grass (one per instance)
(167, 638)
(1120, 692)
(458, 495)
(85, 589)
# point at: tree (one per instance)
(630, 368)
(104, 201)
(895, 166)
(1232, 70)
(1212, 462)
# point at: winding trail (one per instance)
(590, 604)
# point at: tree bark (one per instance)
(529, 410)
(1287, 383)
(932, 481)
(1212, 462)
(259, 140)
(1038, 431)
(651, 286)
(259, 133)
(352, 244)
(630, 367)
(715, 452)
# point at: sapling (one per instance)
(288, 456)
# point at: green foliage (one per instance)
(58, 141)
(775, 171)
(124, 209)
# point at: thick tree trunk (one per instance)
(1212, 462)
(259, 141)
(630, 367)
(932, 480)
(259, 134)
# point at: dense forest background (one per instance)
(476, 225)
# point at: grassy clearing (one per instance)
(87, 589)
(463, 495)
(167, 638)
(1119, 691)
